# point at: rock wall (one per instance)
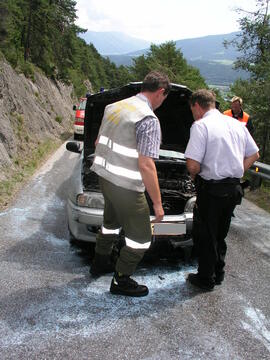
(30, 112)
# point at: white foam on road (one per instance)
(258, 325)
(55, 241)
(88, 311)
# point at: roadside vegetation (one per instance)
(253, 43)
(43, 33)
(23, 168)
(260, 196)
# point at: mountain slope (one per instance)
(114, 42)
(202, 48)
(208, 47)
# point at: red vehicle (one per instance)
(79, 119)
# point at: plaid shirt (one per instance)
(148, 134)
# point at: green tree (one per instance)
(168, 59)
(43, 33)
(254, 44)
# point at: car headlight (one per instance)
(91, 200)
(190, 205)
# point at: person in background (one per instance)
(218, 153)
(128, 142)
(236, 111)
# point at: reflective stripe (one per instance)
(106, 231)
(136, 245)
(123, 150)
(120, 149)
(100, 161)
(103, 140)
(118, 170)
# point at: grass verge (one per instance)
(23, 169)
(260, 196)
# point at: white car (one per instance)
(85, 201)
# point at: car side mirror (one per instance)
(74, 107)
(74, 146)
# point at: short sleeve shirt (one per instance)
(220, 144)
(148, 134)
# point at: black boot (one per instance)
(124, 285)
(201, 283)
(101, 265)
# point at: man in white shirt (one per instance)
(219, 151)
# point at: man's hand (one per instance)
(248, 161)
(159, 212)
(148, 171)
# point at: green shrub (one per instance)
(58, 119)
(77, 80)
(27, 69)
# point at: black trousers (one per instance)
(212, 218)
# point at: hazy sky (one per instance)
(162, 20)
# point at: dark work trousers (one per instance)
(212, 218)
(128, 210)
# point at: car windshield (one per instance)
(171, 154)
(82, 105)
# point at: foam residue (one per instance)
(257, 325)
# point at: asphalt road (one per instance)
(51, 308)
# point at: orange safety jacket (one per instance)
(243, 119)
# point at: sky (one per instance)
(162, 20)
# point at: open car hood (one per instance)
(174, 115)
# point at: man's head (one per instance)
(236, 105)
(156, 87)
(201, 101)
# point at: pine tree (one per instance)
(254, 44)
(168, 59)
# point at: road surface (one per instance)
(51, 308)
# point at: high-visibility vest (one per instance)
(116, 155)
(243, 119)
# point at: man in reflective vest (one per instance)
(127, 144)
(237, 112)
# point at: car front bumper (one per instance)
(85, 222)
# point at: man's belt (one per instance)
(221, 181)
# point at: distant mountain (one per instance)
(208, 48)
(207, 53)
(114, 43)
(202, 48)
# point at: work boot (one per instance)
(203, 284)
(101, 265)
(124, 285)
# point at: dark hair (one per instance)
(154, 81)
(205, 98)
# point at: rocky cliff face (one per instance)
(30, 112)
